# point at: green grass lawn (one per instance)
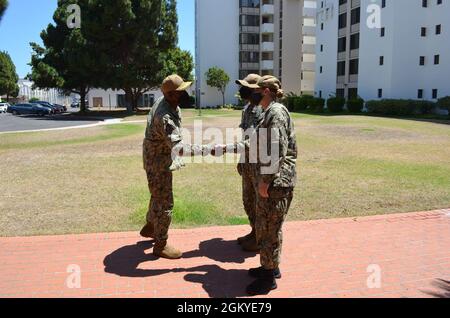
(92, 180)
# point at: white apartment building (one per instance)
(383, 49)
(275, 37)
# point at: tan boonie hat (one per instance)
(174, 83)
(251, 79)
(268, 81)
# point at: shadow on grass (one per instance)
(216, 281)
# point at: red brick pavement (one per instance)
(327, 258)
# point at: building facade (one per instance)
(27, 92)
(379, 49)
(267, 37)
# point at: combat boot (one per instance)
(263, 285)
(148, 231)
(251, 246)
(165, 251)
(259, 272)
(248, 237)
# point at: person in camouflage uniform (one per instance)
(276, 180)
(250, 117)
(162, 149)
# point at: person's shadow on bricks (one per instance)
(221, 251)
(125, 261)
(216, 281)
(219, 282)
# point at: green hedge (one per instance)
(355, 105)
(317, 105)
(444, 103)
(336, 104)
(399, 107)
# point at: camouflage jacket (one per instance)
(250, 118)
(280, 172)
(162, 136)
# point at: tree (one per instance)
(8, 77)
(179, 62)
(218, 78)
(134, 39)
(67, 61)
(3, 6)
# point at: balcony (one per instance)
(309, 30)
(309, 49)
(267, 65)
(267, 9)
(267, 47)
(267, 28)
(308, 66)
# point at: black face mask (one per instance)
(256, 98)
(185, 100)
(245, 93)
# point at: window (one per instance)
(321, 69)
(342, 20)
(438, 29)
(422, 60)
(356, 15)
(423, 32)
(342, 44)
(435, 93)
(436, 59)
(321, 48)
(340, 92)
(383, 3)
(354, 66)
(341, 68)
(354, 41)
(381, 60)
(424, 3)
(420, 94)
(383, 31)
(380, 93)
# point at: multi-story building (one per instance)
(383, 49)
(268, 37)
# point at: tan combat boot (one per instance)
(165, 251)
(148, 231)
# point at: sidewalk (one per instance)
(329, 258)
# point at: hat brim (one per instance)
(184, 86)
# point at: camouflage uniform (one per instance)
(271, 213)
(163, 137)
(250, 117)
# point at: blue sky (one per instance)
(25, 19)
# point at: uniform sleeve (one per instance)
(175, 141)
(277, 146)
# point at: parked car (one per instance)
(56, 110)
(4, 107)
(29, 109)
(64, 108)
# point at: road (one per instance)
(10, 123)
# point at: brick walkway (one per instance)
(321, 259)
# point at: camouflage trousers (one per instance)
(270, 216)
(161, 203)
(249, 192)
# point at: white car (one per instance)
(4, 107)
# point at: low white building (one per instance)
(112, 99)
(54, 96)
(380, 49)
